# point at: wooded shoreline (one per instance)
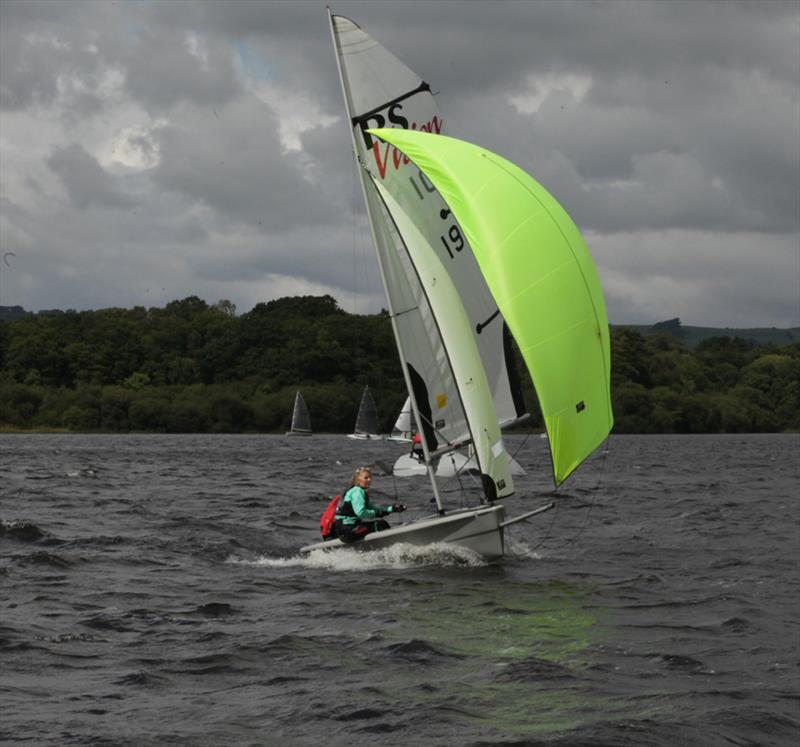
(199, 368)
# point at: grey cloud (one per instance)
(85, 180)
(163, 71)
(706, 278)
(55, 51)
(238, 169)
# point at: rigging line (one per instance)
(520, 447)
(596, 488)
(556, 494)
(355, 253)
(396, 491)
(457, 472)
(549, 529)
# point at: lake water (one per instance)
(151, 593)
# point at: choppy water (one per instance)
(152, 594)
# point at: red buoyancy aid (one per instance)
(327, 521)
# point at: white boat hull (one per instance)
(449, 465)
(478, 529)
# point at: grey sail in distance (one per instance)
(367, 418)
(301, 421)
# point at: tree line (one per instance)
(196, 367)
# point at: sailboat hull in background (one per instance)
(367, 419)
(449, 465)
(477, 529)
(407, 465)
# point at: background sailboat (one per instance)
(367, 418)
(301, 421)
(451, 465)
(404, 427)
(418, 200)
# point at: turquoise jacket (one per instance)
(362, 508)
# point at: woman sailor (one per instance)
(356, 514)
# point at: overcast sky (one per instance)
(152, 150)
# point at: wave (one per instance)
(214, 609)
(45, 558)
(25, 531)
(140, 679)
(399, 556)
(418, 651)
(533, 669)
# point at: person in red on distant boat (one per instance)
(356, 515)
(416, 447)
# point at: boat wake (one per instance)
(400, 555)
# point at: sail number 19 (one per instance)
(456, 239)
(456, 243)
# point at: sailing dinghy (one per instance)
(404, 427)
(472, 250)
(301, 422)
(367, 418)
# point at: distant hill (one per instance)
(195, 368)
(691, 336)
(12, 313)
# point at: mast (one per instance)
(392, 314)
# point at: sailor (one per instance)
(356, 515)
(416, 447)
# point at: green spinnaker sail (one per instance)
(542, 277)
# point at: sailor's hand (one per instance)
(398, 508)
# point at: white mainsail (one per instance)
(380, 90)
(404, 426)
